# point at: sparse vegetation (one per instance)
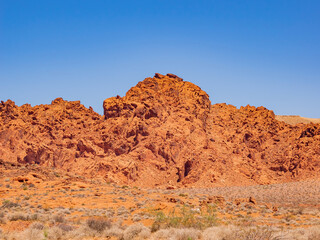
(68, 211)
(98, 224)
(22, 216)
(186, 217)
(9, 204)
(177, 234)
(253, 233)
(58, 218)
(37, 225)
(136, 230)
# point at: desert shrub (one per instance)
(26, 198)
(253, 233)
(314, 236)
(65, 227)
(9, 204)
(185, 218)
(27, 234)
(160, 234)
(136, 230)
(33, 217)
(177, 234)
(98, 224)
(55, 233)
(136, 218)
(313, 233)
(37, 225)
(18, 216)
(22, 216)
(218, 233)
(58, 218)
(81, 232)
(114, 231)
(2, 218)
(187, 234)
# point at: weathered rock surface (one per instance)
(164, 132)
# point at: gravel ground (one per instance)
(305, 193)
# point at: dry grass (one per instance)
(254, 233)
(114, 231)
(98, 225)
(22, 217)
(9, 204)
(136, 231)
(177, 234)
(186, 217)
(37, 231)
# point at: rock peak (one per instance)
(169, 75)
(160, 95)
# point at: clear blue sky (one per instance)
(258, 52)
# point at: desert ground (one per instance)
(42, 204)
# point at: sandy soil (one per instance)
(48, 193)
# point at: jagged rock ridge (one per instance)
(164, 131)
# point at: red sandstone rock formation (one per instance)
(164, 132)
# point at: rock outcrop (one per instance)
(163, 132)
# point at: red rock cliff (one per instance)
(164, 131)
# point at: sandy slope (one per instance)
(291, 119)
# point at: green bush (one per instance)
(185, 218)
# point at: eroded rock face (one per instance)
(157, 97)
(155, 124)
(163, 132)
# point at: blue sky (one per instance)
(258, 52)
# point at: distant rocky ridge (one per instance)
(293, 119)
(164, 132)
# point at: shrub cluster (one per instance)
(98, 224)
(185, 217)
